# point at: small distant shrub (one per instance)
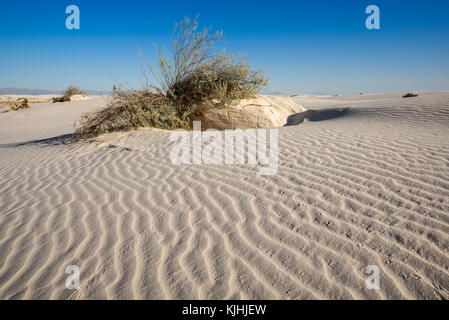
(71, 91)
(21, 103)
(410, 95)
(195, 75)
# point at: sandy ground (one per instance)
(43, 121)
(370, 187)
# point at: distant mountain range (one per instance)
(43, 91)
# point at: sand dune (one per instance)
(44, 121)
(262, 111)
(369, 187)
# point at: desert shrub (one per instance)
(194, 75)
(410, 95)
(21, 103)
(71, 91)
(198, 74)
(128, 110)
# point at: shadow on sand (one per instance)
(63, 139)
(316, 115)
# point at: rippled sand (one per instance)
(369, 187)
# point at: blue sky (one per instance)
(305, 46)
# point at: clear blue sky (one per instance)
(305, 46)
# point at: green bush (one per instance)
(198, 74)
(195, 74)
(71, 91)
(21, 103)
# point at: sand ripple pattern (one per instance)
(371, 188)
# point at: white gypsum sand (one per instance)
(262, 111)
(370, 187)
